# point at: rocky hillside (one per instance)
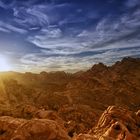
(116, 123)
(72, 102)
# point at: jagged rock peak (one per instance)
(130, 59)
(99, 67)
(127, 61)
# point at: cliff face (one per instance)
(76, 101)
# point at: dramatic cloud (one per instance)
(68, 35)
(30, 16)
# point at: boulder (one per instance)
(117, 123)
(40, 129)
(34, 129)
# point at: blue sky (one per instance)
(70, 35)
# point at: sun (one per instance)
(4, 65)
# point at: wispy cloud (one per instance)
(3, 5)
(58, 43)
(59, 46)
(50, 33)
(54, 63)
(44, 15)
(10, 27)
(72, 64)
(124, 28)
(132, 3)
(71, 36)
(30, 16)
(106, 42)
(4, 30)
(8, 5)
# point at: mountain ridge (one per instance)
(73, 100)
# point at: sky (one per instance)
(68, 35)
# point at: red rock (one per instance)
(40, 129)
(35, 129)
(117, 123)
(84, 137)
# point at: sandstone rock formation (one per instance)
(118, 123)
(74, 101)
(100, 86)
(34, 129)
(78, 118)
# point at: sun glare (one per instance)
(4, 65)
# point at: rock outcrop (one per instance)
(34, 129)
(73, 103)
(116, 123)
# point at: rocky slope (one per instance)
(74, 102)
(116, 123)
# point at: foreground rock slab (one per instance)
(116, 123)
(35, 129)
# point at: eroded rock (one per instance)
(34, 129)
(117, 123)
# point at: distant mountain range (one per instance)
(78, 99)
